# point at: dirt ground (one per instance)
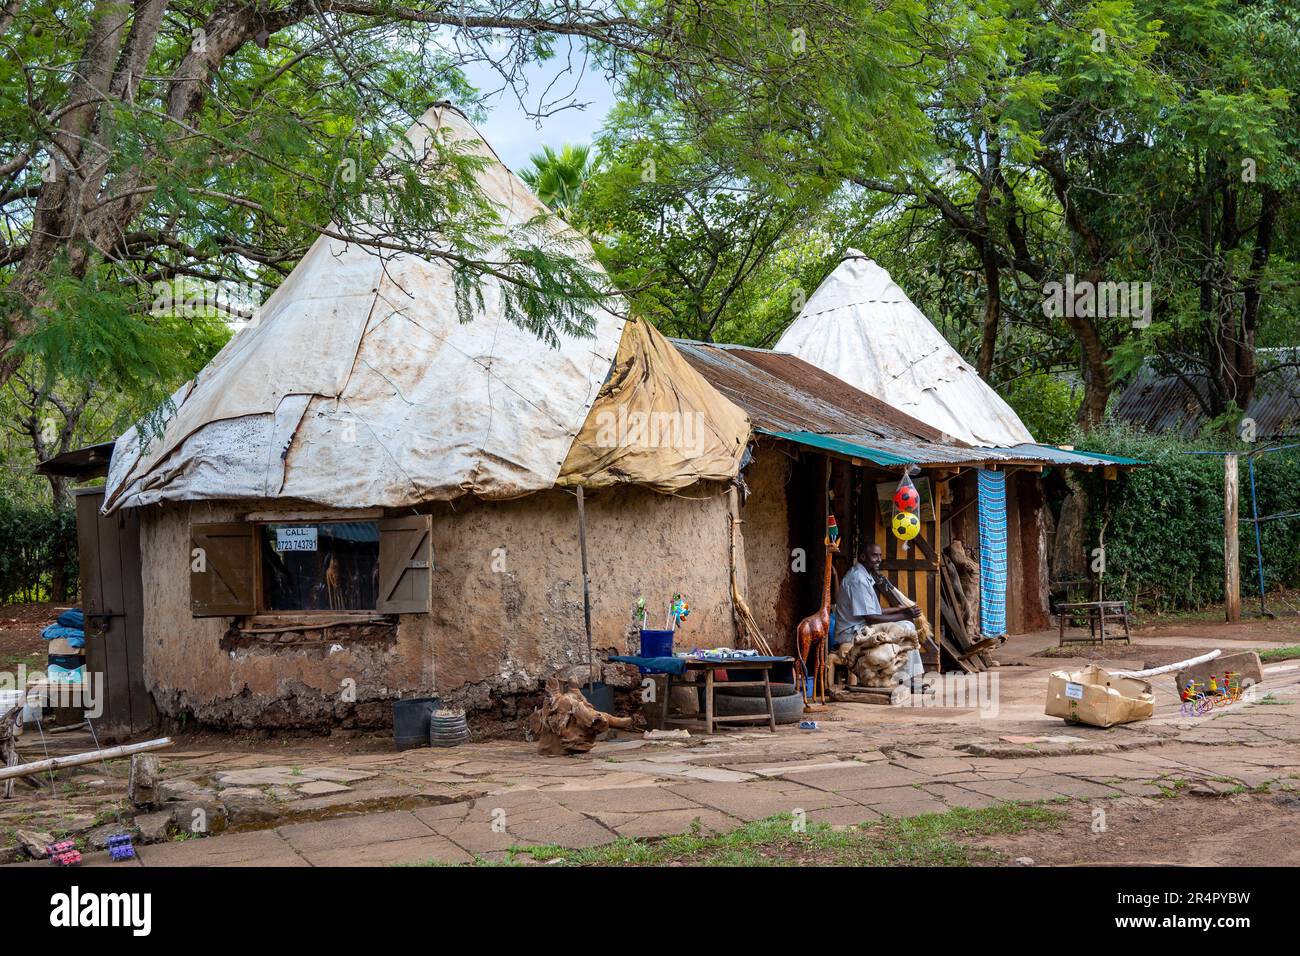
(1245, 829)
(20, 633)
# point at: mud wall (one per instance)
(507, 609)
(767, 546)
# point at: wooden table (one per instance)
(1099, 613)
(710, 721)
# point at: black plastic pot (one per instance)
(600, 696)
(411, 721)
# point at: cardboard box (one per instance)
(60, 645)
(1095, 697)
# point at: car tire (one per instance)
(788, 710)
(778, 690)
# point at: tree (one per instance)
(141, 140)
(558, 178)
(1089, 146)
(704, 255)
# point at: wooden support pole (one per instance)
(1231, 564)
(586, 587)
(77, 760)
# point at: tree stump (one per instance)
(566, 723)
(142, 784)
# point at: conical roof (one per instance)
(359, 386)
(862, 328)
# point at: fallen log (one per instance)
(77, 760)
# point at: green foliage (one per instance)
(558, 178)
(1162, 525)
(40, 543)
(1046, 404)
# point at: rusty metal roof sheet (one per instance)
(782, 392)
(1163, 403)
(791, 399)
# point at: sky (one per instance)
(515, 135)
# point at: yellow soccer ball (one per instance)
(906, 526)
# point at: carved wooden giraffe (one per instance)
(815, 628)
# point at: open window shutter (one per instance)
(406, 565)
(221, 577)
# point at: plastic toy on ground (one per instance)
(64, 853)
(120, 848)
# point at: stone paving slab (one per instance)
(849, 778)
(259, 848)
(954, 796)
(667, 822)
(757, 803)
(632, 799)
(343, 832)
(417, 850)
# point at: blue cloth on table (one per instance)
(72, 617)
(73, 635)
(653, 665)
(677, 665)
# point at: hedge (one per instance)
(1164, 523)
(36, 541)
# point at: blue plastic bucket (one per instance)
(656, 643)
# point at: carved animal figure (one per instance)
(810, 636)
(333, 586)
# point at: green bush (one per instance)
(38, 547)
(1163, 524)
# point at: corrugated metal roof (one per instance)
(1166, 404)
(791, 399)
(782, 392)
(1061, 456)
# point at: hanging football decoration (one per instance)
(907, 523)
(907, 498)
(906, 526)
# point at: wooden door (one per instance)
(112, 596)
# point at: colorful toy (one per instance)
(906, 526)
(120, 848)
(907, 498)
(64, 853)
(678, 611)
(832, 530)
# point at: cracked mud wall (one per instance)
(506, 608)
(767, 545)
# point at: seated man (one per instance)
(858, 611)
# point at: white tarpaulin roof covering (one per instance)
(360, 386)
(863, 329)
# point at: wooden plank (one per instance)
(225, 585)
(1231, 561)
(115, 688)
(143, 712)
(92, 600)
(405, 565)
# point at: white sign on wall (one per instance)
(296, 538)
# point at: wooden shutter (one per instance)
(225, 586)
(406, 565)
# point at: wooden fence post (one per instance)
(1231, 565)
